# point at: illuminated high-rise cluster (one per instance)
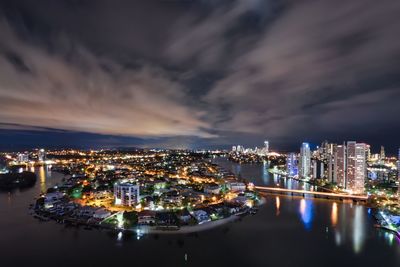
(239, 149)
(342, 164)
(346, 164)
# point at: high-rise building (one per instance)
(398, 171)
(317, 167)
(266, 147)
(305, 161)
(126, 194)
(331, 170)
(324, 150)
(382, 154)
(368, 153)
(41, 155)
(291, 164)
(233, 148)
(340, 165)
(356, 166)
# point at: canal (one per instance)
(287, 231)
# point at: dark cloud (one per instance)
(203, 73)
(316, 55)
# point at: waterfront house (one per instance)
(184, 216)
(146, 217)
(201, 216)
(237, 186)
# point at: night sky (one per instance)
(199, 74)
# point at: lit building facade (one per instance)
(291, 165)
(126, 194)
(331, 169)
(41, 155)
(356, 166)
(398, 171)
(266, 147)
(382, 154)
(305, 161)
(340, 165)
(318, 169)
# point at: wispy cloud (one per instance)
(75, 90)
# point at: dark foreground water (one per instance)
(287, 231)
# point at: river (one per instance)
(287, 231)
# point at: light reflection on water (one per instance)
(44, 174)
(42, 178)
(265, 172)
(358, 229)
(334, 214)
(344, 224)
(278, 205)
(306, 212)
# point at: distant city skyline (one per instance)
(10, 141)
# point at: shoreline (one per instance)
(149, 230)
(144, 229)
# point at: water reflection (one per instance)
(265, 172)
(43, 173)
(237, 169)
(349, 223)
(334, 214)
(306, 212)
(276, 178)
(42, 178)
(278, 205)
(391, 238)
(358, 229)
(338, 238)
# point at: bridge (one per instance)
(327, 195)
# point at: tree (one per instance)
(130, 218)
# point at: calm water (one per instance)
(287, 231)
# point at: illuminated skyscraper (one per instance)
(266, 147)
(340, 165)
(42, 155)
(330, 169)
(356, 166)
(398, 171)
(305, 161)
(368, 152)
(291, 164)
(383, 155)
(317, 168)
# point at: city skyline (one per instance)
(200, 133)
